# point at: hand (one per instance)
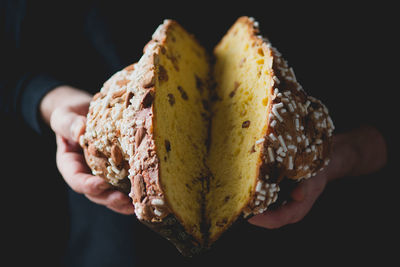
(65, 109)
(303, 198)
(358, 152)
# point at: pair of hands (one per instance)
(358, 152)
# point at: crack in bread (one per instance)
(198, 145)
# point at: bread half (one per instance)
(195, 145)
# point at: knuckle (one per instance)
(90, 186)
(116, 200)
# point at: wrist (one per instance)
(61, 96)
(342, 159)
(358, 152)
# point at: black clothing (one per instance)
(339, 54)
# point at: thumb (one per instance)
(67, 123)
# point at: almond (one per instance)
(93, 150)
(118, 93)
(140, 133)
(96, 96)
(129, 95)
(148, 80)
(139, 189)
(116, 154)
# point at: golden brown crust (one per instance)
(298, 133)
(298, 136)
(119, 144)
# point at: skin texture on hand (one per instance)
(65, 109)
(358, 152)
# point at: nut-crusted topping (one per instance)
(147, 99)
(140, 133)
(297, 141)
(148, 80)
(122, 83)
(127, 102)
(93, 150)
(139, 189)
(97, 95)
(116, 155)
(118, 120)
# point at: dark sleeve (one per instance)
(21, 96)
(21, 85)
(41, 50)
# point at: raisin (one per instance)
(246, 124)
(162, 74)
(171, 99)
(235, 87)
(199, 83)
(183, 93)
(167, 145)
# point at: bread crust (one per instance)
(119, 145)
(297, 138)
(297, 141)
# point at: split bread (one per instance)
(198, 145)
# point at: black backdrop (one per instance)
(343, 54)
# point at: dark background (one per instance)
(344, 54)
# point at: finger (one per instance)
(114, 200)
(299, 193)
(126, 210)
(304, 197)
(76, 173)
(67, 123)
(280, 217)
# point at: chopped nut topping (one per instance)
(139, 136)
(116, 154)
(138, 188)
(147, 99)
(123, 82)
(129, 95)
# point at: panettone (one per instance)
(197, 145)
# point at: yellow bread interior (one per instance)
(243, 77)
(181, 125)
(210, 187)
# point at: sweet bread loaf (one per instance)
(198, 145)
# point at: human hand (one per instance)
(303, 198)
(65, 109)
(358, 152)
